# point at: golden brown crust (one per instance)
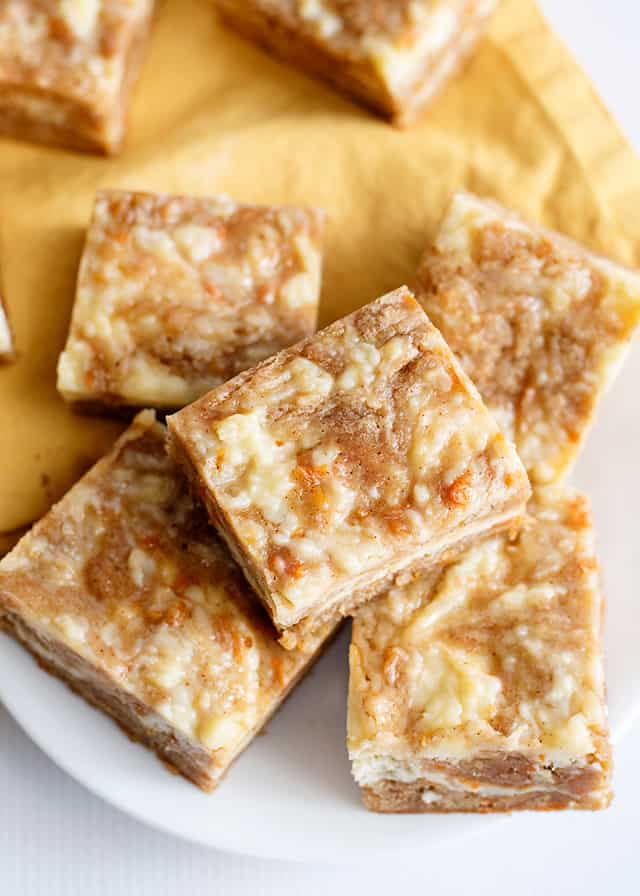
(282, 38)
(377, 53)
(81, 106)
(326, 468)
(294, 636)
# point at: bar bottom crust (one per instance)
(133, 717)
(572, 787)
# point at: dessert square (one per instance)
(479, 687)
(539, 323)
(339, 463)
(177, 294)
(123, 591)
(392, 55)
(67, 69)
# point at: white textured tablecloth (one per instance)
(56, 839)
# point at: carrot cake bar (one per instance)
(67, 68)
(479, 687)
(392, 55)
(123, 591)
(357, 454)
(539, 323)
(177, 294)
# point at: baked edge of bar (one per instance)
(98, 689)
(116, 410)
(506, 214)
(293, 636)
(394, 797)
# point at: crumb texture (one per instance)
(538, 323)
(485, 678)
(178, 294)
(126, 575)
(361, 447)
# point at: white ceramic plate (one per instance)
(290, 795)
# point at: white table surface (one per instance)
(56, 839)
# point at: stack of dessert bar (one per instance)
(187, 582)
(478, 686)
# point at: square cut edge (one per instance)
(359, 370)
